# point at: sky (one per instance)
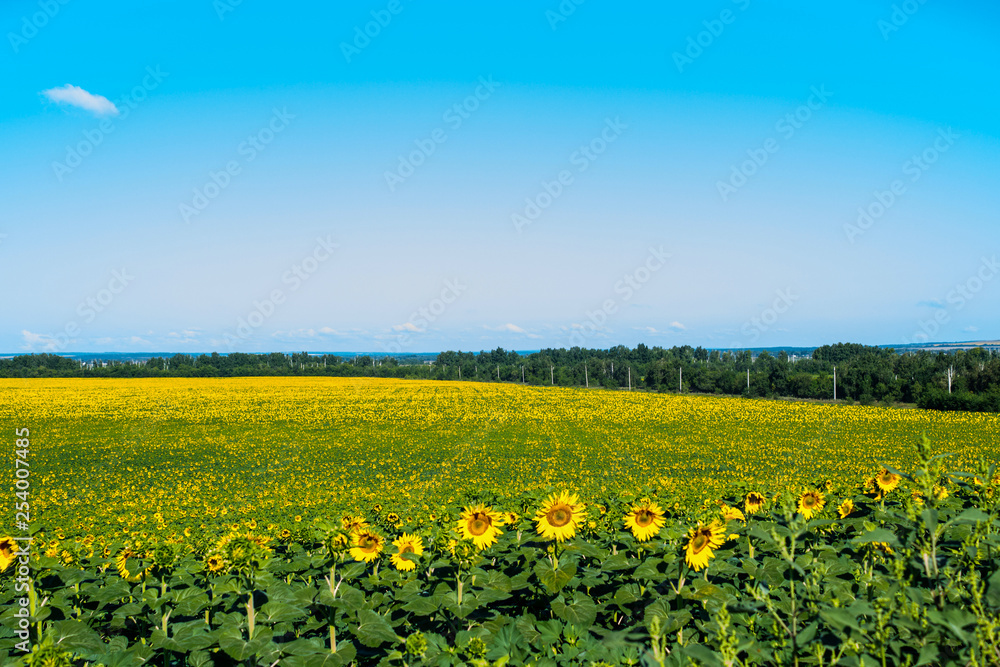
(407, 176)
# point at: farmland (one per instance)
(120, 454)
(327, 521)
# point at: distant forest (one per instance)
(961, 380)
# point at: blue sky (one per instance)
(194, 175)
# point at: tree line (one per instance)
(847, 372)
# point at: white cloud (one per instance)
(78, 97)
(43, 342)
(971, 329)
(409, 326)
(677, 326)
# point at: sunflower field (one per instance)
(330, 521)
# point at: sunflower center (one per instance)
(559, 516)
(699, 542)
(406, 549)
(479, 524)
(643, 518)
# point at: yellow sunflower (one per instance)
(940, 492)
(887, 481)
(702, 541)
(559, 516)
(354, 524)
(367, 545)
(481, 524)
(510, 518)
(810, 503)
(845, 508)
(128, 568)
(215, 563)
(754, 502)
(732, 514)
(406, 544)
(8, 549)
(645, 520)
(392, 517)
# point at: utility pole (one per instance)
(498, 372)
(460, 371)
(586, 379)
(680, 381)
(834, 383)
(630, 378)
(951, 374)
(552, 374)
(522, 374)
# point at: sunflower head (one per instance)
(406, 544)
(845, 508)
(354, 524)
(887, 481)
(559, 516)
(754, 502)
(702, 541)
(367, 545)
(8, 549)
(215, 563)
(392, 518)
(645, 520)
(481, 524)
(732, 514)
(811, 503)
(129, 566)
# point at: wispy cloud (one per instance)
(78, 97)
(37, 341)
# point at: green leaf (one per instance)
(77, 637)
(807, 634)
(928, 655)
(702, 655)
(877, 535)
(626, 595)
(276, 612)
(579, 611)
(373, 630)
(838, 619)
(422, 606)
(993, 592)
(930, 518)
(554, 579)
